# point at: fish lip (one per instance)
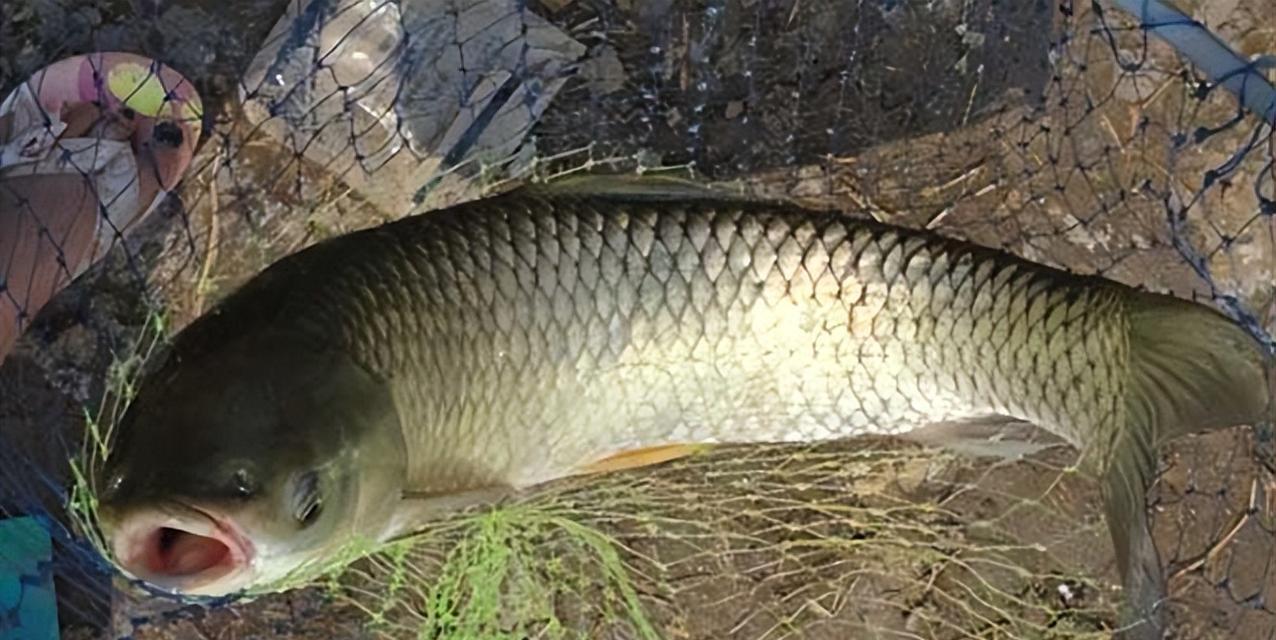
(241, 546)
(135, 531)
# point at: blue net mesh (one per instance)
(1125, 138)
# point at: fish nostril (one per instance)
(244, 483)
(111, 488)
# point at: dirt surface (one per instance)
(732, 87)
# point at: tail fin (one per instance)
(1191, 369)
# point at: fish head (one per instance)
(246, 464)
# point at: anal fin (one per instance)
(992, 436)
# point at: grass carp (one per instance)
(363, 384)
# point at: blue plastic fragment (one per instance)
(1209, 53)
(28, 608)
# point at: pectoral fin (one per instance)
(646, 456)
(416, 509)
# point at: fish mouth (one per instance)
(185, 550)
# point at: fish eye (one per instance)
(307, 503)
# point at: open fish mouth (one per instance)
(187, 550)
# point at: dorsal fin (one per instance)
(630, 186)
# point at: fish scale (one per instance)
(708, 321)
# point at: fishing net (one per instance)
(1068, 133)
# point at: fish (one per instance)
(371, 382)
